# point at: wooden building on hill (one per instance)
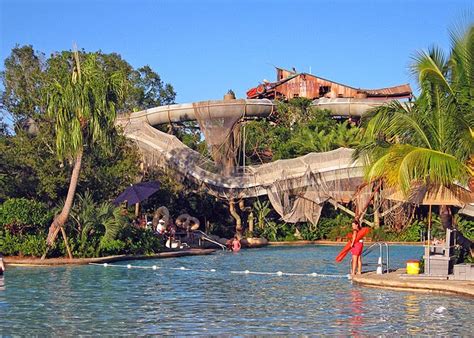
(291, 84)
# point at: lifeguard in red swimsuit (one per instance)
(356, 249)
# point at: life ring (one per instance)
(187, 222)
(161, 213)
(260, 89)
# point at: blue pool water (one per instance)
(97, 300)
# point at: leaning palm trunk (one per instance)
(60, 220)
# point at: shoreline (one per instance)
(33, 261)
(335, 243)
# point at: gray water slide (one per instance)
(186, 111)
(166, 151)
(245, 108)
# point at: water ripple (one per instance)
(90, 300)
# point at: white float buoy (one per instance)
(154, 267)
(105, 265)
(182, 268)
(314, 274)
(247, 271)
(279, 273)
(129, 266)
(213, 270)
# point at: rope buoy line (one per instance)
(244, 272)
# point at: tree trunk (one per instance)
(238, 220)
(251, 224)
(61, 219)
(376, 219)
(68, 249)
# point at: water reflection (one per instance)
(412, 313)
(357, 309)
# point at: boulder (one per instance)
(254, 242)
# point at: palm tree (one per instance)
(83, 106)
(431, 140)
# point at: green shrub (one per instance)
(413, 232)
(465, 225)
(111, 247)
(22, 245)
(334, 228)
(20, 215)
(308, 233)
(141, 242)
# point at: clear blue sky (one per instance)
(204, 48)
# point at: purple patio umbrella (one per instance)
(137, 192)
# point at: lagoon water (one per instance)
(94, 300)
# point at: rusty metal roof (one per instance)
(399, 91)
(404, 89)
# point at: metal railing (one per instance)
(380, 262)
(205, 237)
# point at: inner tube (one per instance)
(187, 222)
(161, 213)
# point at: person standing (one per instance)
(356, 249)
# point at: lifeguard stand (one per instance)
(439, 258)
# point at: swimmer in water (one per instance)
(236, 244)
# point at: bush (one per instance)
(465, 225)
(334, 228)
(307, 233)
(111, 247)
(139, 241)
(22, 245)
(20, 215)
(413, 233)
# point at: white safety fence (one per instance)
(243, 272)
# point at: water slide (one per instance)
(297, 187)
(243, 107)
(167, 151)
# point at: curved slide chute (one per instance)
(187, 111)
(314, 178)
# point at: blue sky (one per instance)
(204, 48)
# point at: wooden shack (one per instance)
(291, 84)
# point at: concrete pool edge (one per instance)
(29, 261)
(396, 280)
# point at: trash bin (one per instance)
(413, 267)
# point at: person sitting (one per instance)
(161, 227)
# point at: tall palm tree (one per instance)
(429, 141)
(83, 106)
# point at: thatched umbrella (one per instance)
(422, 194)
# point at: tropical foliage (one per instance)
(29, 161)
(431, 139)
(94, 229)
(296, 130)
